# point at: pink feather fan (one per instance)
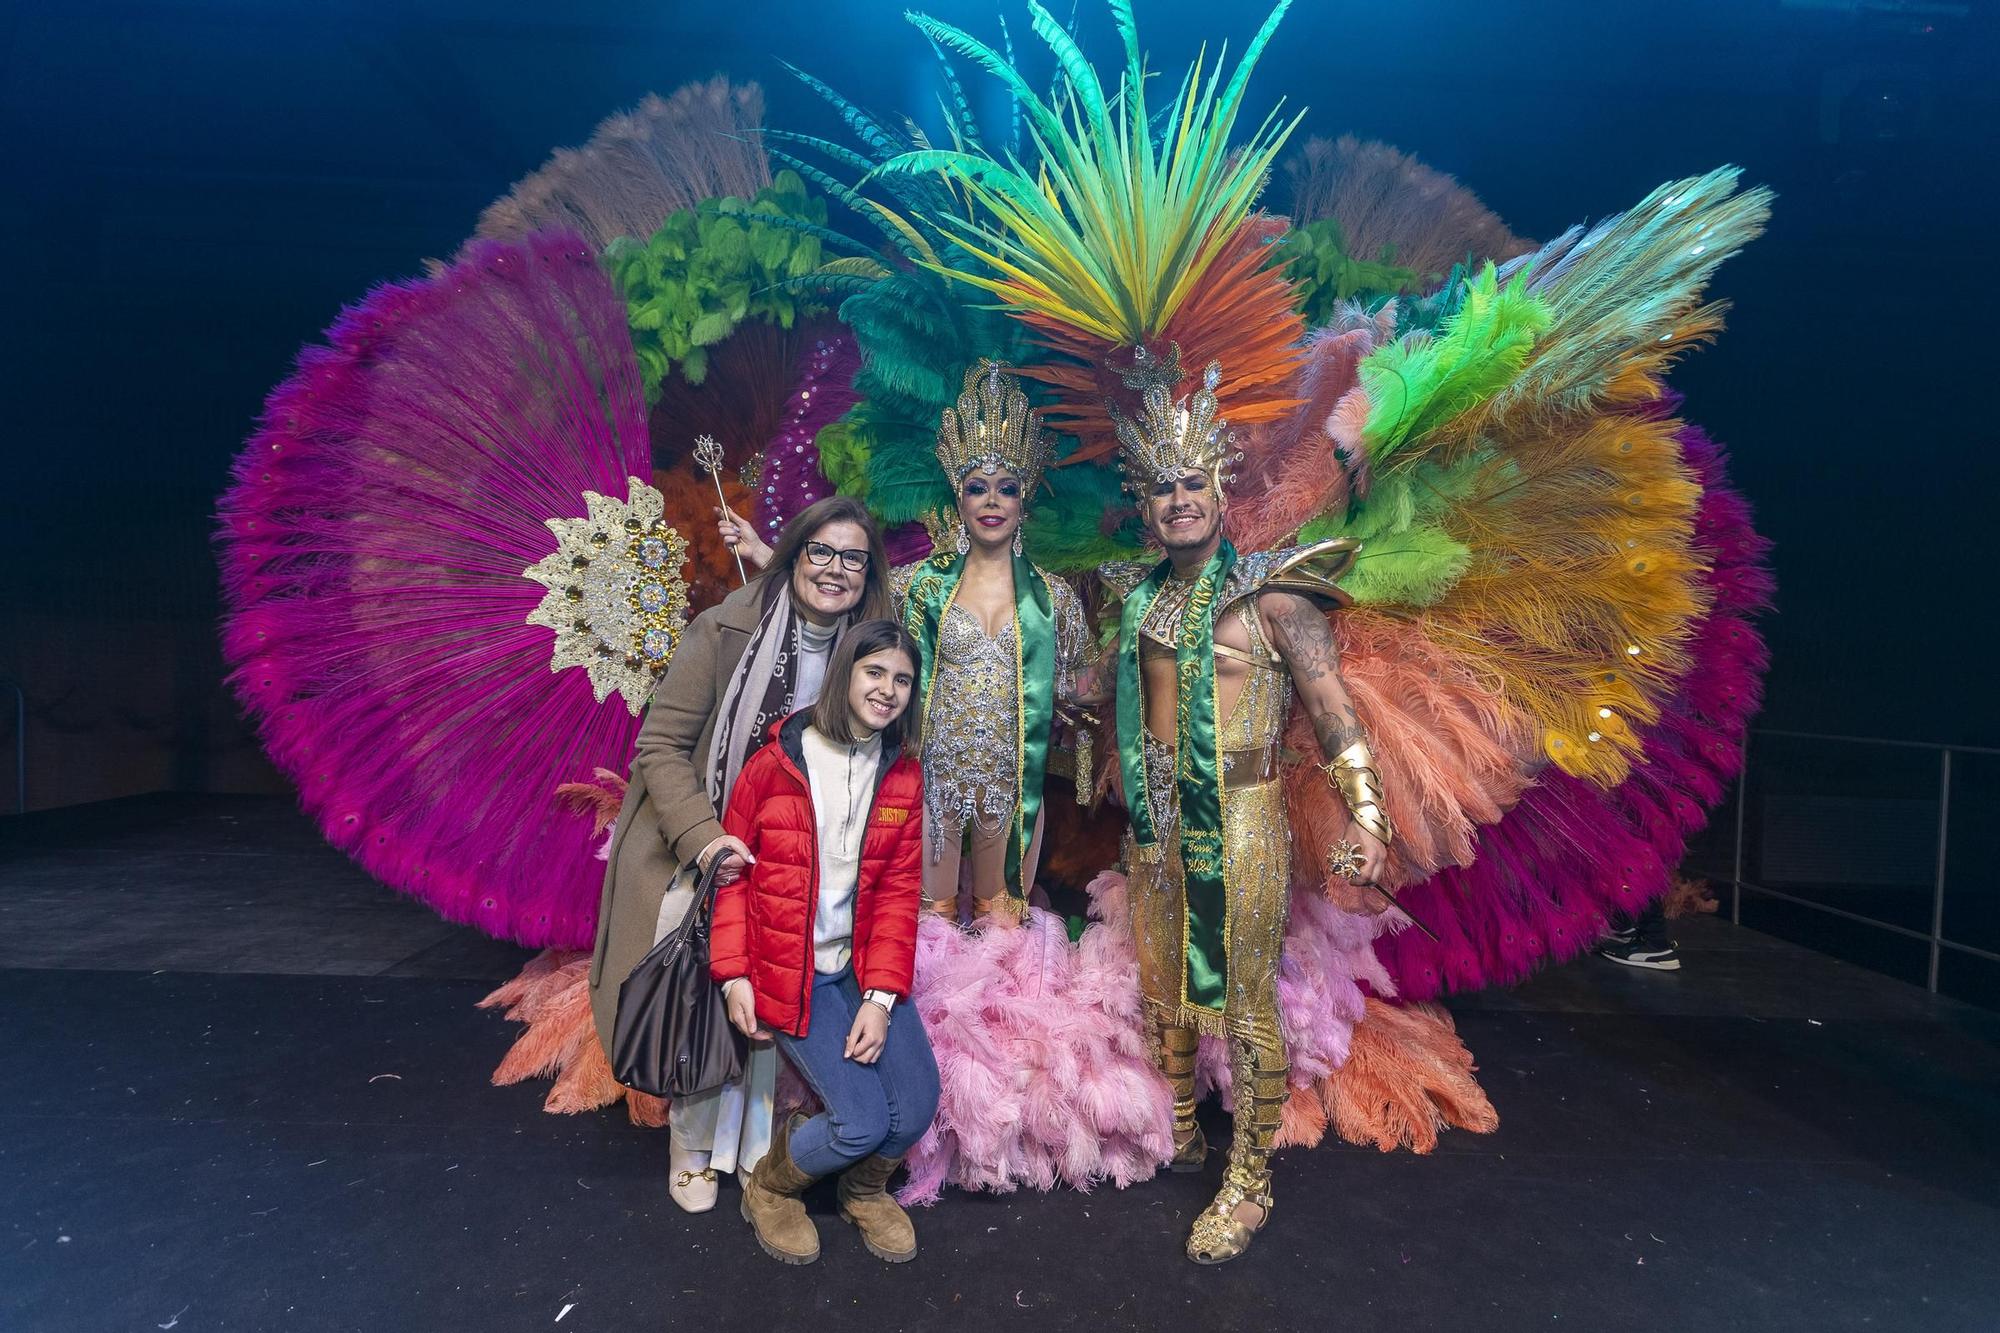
(372, 546)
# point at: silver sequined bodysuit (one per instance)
(971, 747)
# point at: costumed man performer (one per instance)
(1213, 647)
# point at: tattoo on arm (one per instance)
(1314, 659)
(1308, 644)
(1336, 730)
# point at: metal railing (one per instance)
(1935, 937)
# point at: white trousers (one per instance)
(731, 1123)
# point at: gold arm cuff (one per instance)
(1353, 775)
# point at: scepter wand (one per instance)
(1344, 859)
(708, 453)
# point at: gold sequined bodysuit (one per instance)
(1256, 853)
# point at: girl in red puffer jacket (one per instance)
(814, 941)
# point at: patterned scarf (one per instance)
(748, 713)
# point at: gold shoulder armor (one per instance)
(1314, 571)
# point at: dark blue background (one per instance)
(194, 189)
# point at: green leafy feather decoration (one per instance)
(708, 269)
(1324, 275)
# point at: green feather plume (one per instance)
(1323, 275)
(1407, 558)
(1416, 384)
(709, 268)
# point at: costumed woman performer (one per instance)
(1002, 643)
(742, 667)
(1001, 640)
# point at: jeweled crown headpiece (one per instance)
(992, 428)
(1169, 437)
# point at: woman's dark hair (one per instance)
(790, 548)
(831, 715)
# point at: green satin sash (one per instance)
(1197, 770)
(930, 594)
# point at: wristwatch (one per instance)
(887, 999)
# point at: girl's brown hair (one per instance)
(831, 715)
(805, 525)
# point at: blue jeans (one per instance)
(880, 1108)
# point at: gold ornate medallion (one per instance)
(617, 599)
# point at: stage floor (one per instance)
(245, 1087)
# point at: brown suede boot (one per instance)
(771, 1203)
(865, 1201)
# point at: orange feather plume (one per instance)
(1448, 745)
(1407, 1075)
(1583, 583)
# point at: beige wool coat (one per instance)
(666, 818)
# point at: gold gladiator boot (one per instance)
(1218, 1234)
(1177, 1052)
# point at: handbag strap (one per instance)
(706, 888)
(695, 921)
(705, 893)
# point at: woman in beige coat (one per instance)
(742, 667)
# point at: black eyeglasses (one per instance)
(819, 553)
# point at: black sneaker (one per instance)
(1625, 947)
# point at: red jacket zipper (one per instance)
(808, 972)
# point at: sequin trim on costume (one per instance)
(971, 743)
